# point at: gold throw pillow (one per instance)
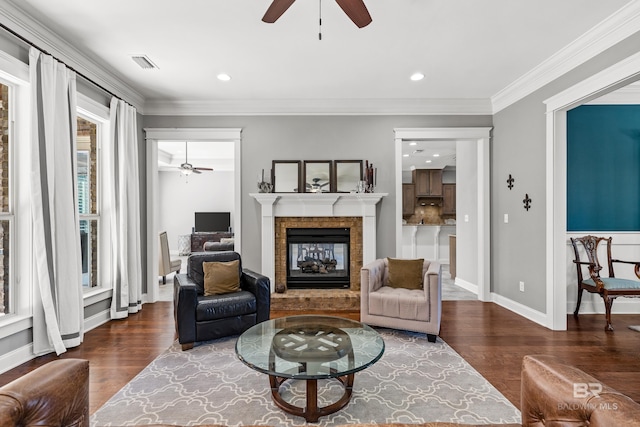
(221, 277)
(405, 273)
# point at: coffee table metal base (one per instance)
(312, 412)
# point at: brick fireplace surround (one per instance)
(311, 210)
(355, 243)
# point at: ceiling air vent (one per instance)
(144, 62)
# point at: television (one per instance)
(212, 222)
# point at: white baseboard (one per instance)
(595, 305)
(16, 357)
(24, 354)
(97, 320)
(524, 311)
(466, 285)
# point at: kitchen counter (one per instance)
(428, 225)
(428, 241)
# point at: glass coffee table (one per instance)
(310, 348)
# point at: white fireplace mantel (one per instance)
(316, 205)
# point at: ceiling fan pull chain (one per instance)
(320, 20)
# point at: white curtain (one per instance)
(125, 203)
(58, 308)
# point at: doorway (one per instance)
(472, 233)
(608, 80)
(153, 137)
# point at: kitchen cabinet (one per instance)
(448, 199)
(408, 199)
(428, 182)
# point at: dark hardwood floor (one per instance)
(492, 339)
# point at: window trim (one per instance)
(91, 110)
(15, 74)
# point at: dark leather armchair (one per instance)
(203, 318)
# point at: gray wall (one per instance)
(267, 138)
(518, 148)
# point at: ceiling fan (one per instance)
(187, 168)
(355, 10)
(316, 187)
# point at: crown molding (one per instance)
(303, 107)
(34, 31)
(617, 27)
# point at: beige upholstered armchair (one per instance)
(165, 263)
(405, 300)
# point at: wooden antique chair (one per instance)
(609, 288)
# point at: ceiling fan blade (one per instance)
(194, 170)
(203, 169)
(275, 11)
(356, 11)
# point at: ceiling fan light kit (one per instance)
(187, 168)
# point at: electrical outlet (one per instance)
(521, 286)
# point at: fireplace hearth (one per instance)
(318, 258)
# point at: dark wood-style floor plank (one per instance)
(492, 339)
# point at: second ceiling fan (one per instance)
(187, 168)
(355, 10)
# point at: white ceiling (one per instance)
(468, 49)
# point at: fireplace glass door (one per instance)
(317, 258)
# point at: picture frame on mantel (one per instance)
(317, 176)
(346, 175)
(285, 176)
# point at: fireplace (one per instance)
(318, 258)
(281, 211)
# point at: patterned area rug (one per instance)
(414, 382)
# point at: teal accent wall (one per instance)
(603, 168)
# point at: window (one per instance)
(6, 217)
(87, 162)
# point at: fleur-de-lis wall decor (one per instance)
(510, 182)
(527, 202)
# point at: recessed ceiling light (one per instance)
(224, 77)
(405, 155)
(413, 143)
(436, 155)
(417, 77)
(427, 161)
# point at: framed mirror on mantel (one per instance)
(317, 176)
(285, 176)
(347, 174)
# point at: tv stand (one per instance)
(198, 239)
